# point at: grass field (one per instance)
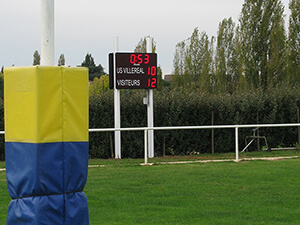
(250, 192)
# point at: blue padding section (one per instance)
(44, 210)
(34, 169)
(46, 181)
(76, 209)
(47, 168)
(68, 209)
(76, 156)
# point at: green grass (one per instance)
(195, 157)
(2, 164)
(252, 192)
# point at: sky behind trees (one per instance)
(90, 26)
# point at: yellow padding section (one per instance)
(46, 104)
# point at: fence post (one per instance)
(212, 134)
(257, 121)
(298, 126)
(146, 145)
(236, 144)
(111, 145)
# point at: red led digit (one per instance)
(139, 59)
(146, 59)
(152, 70)
(132, 58)
(153, 83)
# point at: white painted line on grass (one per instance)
(95, 166)
(232, 160)
(206, 161)
(199, 161)
(271, 158)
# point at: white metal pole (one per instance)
(150, 109)
(236, 144)
(47, 35)
(146, 146)
(117, 108)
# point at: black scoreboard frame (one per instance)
(133, 70)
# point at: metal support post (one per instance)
(150, 109)
(117, 109)
(146, 146)
(298, 126)
(236, 144)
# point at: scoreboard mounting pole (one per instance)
(133, 71)
(117, 103)
(150, 109)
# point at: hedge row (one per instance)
(182, 108)
(186, 108)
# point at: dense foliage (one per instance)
(190, 108)
(94, 71)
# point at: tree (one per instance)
(193, 60)
(179, 59)
(228, 66)
(142, 45)
(94, 71)
(276, 65)
(160, 82)
(99, 85)
(88, 61)
(225, 62)
(239, 79)
(36, 58)
(179, 65)
(294, 43)
(61, 60)
(260, 22)
(194, 55)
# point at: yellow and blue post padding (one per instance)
(46, 144)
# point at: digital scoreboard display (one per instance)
(133, 70)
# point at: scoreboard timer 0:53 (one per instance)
(133, 70)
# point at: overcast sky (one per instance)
(89, 26)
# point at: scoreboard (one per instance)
(133, 70)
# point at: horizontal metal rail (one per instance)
(193, 127)
(236, 127)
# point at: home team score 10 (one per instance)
(134, 70)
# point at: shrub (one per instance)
(182, 108)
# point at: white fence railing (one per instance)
(236, 127)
